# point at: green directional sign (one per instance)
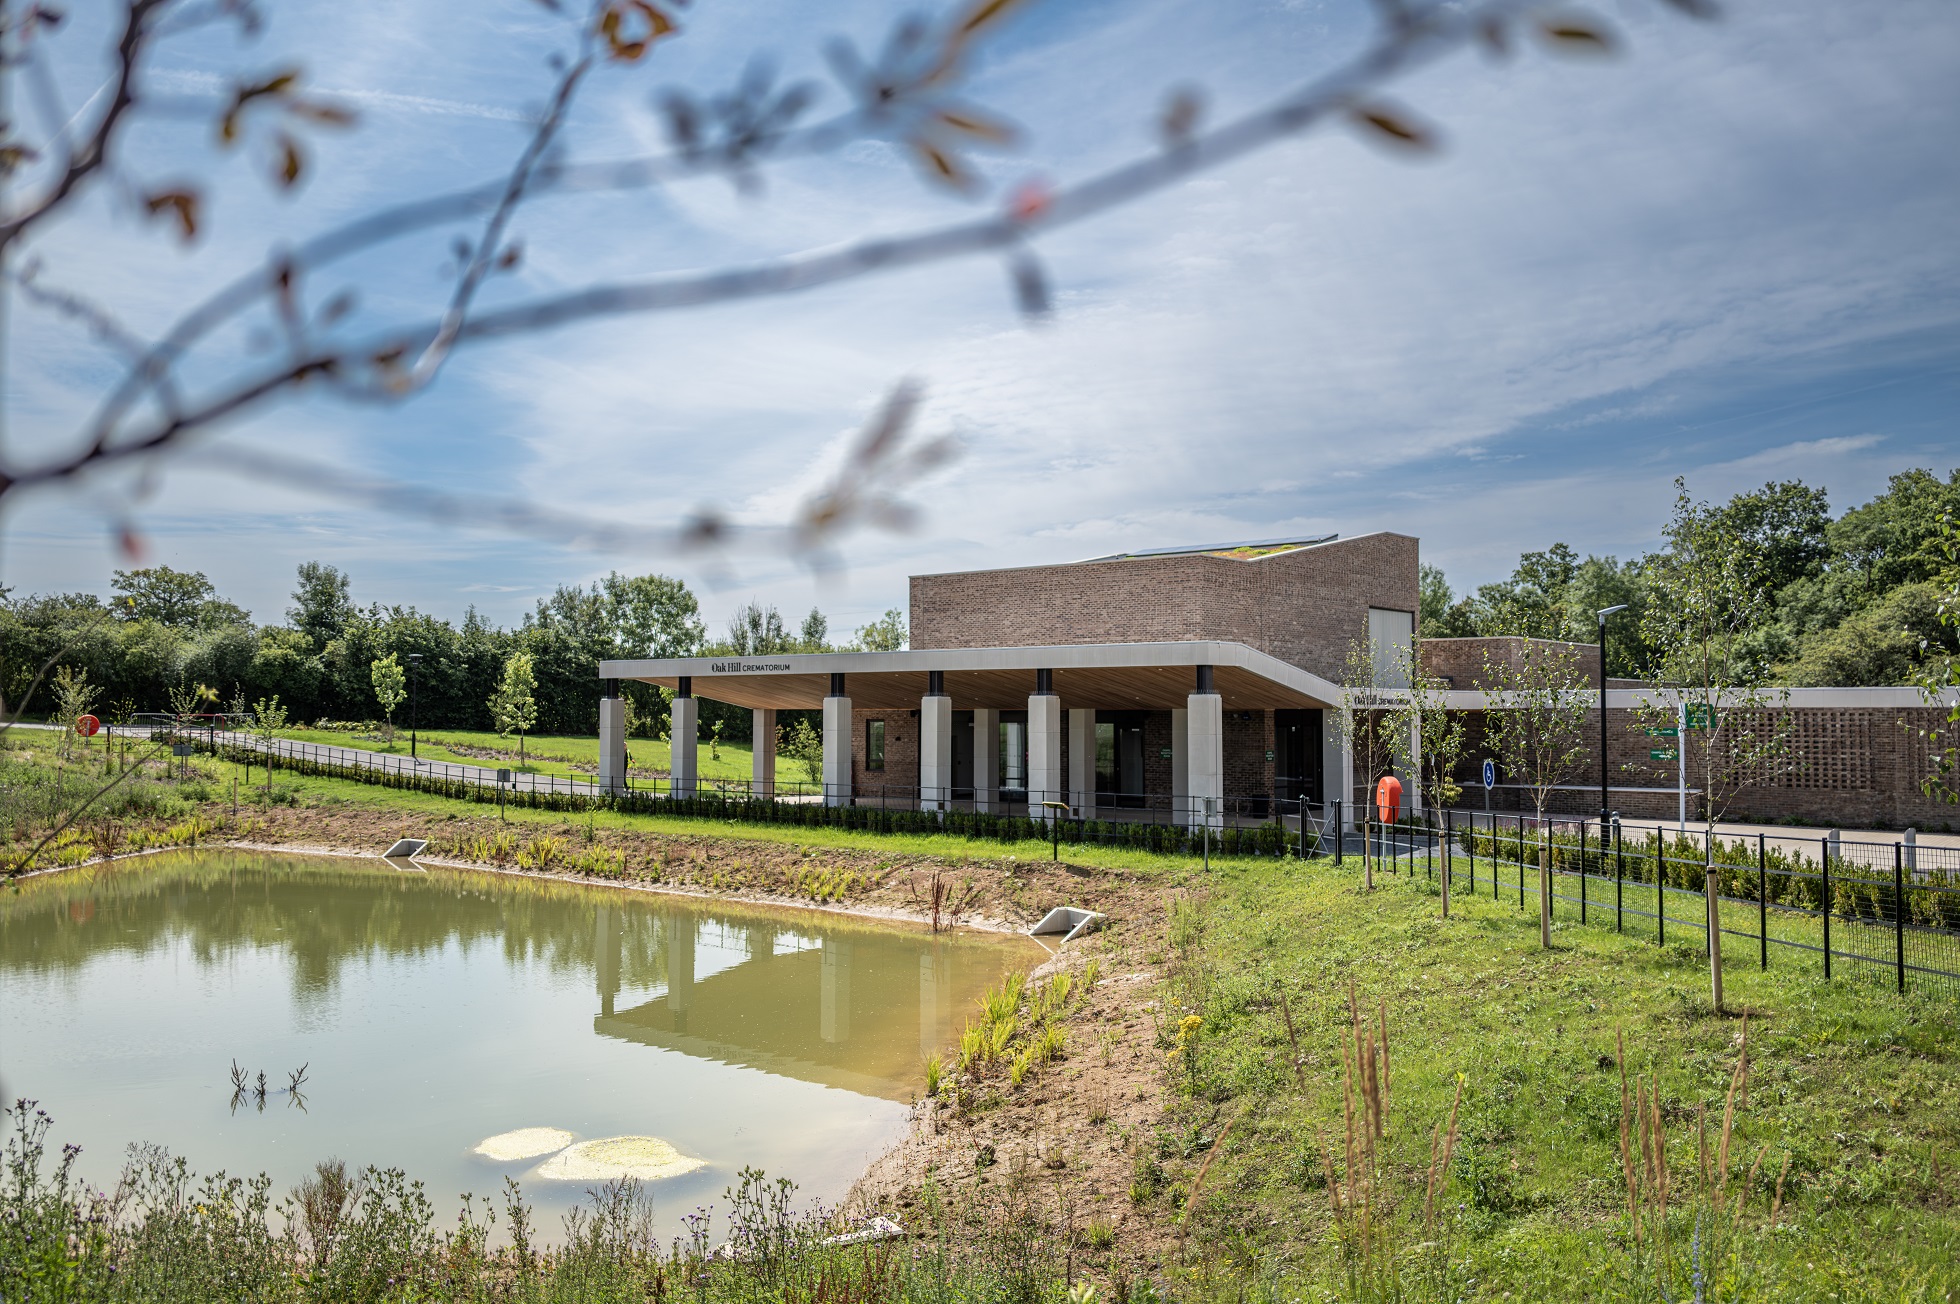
(1662, 754)
(1700, 716)
(1668, 731)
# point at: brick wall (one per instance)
(1461, 660)
(1303, 606)
(1845, 768)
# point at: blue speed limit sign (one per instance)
(1490, 774)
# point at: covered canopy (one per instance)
(1099, 676)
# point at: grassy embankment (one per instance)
(1840, 1156)
(1853, 1087)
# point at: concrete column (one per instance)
(1045, 779)
(684, 740)
(834, 992)
(762, 742)
(837, 726)
(986, 761)
(1180, 767)
(935, 752)
(1344, 772)
(612, 744)
(1082, 762)
(1206, 730)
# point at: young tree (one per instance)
(1712, 588)
(390, 688)
(1538, 726)
(74, 698)
(1366, 728)
(804, 745)
(1439, 732)
(512, 705)
(268, 718)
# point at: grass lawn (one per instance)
(331, 792)
(1856, 1087)
(545, 753)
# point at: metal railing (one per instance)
(1888, 910)
(1260, 825)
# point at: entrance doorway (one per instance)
(1119, 758)
(1296, 755)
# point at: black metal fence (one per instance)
(1883, 910)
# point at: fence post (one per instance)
(1826, 849)
(1582, 871)
(1660, 889)
(1340, 835)
(1762, 896)
(1449, 836)
(1520, 862)
(1619, 880)
(1899, 912)
(1472, 853)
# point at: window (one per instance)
(874, 744)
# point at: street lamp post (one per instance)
(413, 657)
(1604, 800)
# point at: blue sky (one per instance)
(1729, 254)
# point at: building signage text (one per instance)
(746, 667)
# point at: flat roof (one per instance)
(1101, 676)
(1257, 546)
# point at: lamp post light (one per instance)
(1604, 814)
(413, 657)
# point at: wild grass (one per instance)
(165, 1235)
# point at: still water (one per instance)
(436, 1009)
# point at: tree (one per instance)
(652, 616)
(804, 745)
(390, 688)
(512, 706)
(885, 634)
(74, 698)
(1370, 717)
(814, 636)
(1438, 613)
(1939, 677)
(756, 630)
(1537, 726)
(322, 604)
(268, 718)
(169, 597)
(1712, 596)
(1439, 732)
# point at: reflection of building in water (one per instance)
(680, 969)
(607, 945)
(933, 999)
(858, 1011)
(834, 999)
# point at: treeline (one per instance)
(1847, 600)
(163, 632)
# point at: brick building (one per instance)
(1206, 683)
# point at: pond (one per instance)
(435, 1010)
